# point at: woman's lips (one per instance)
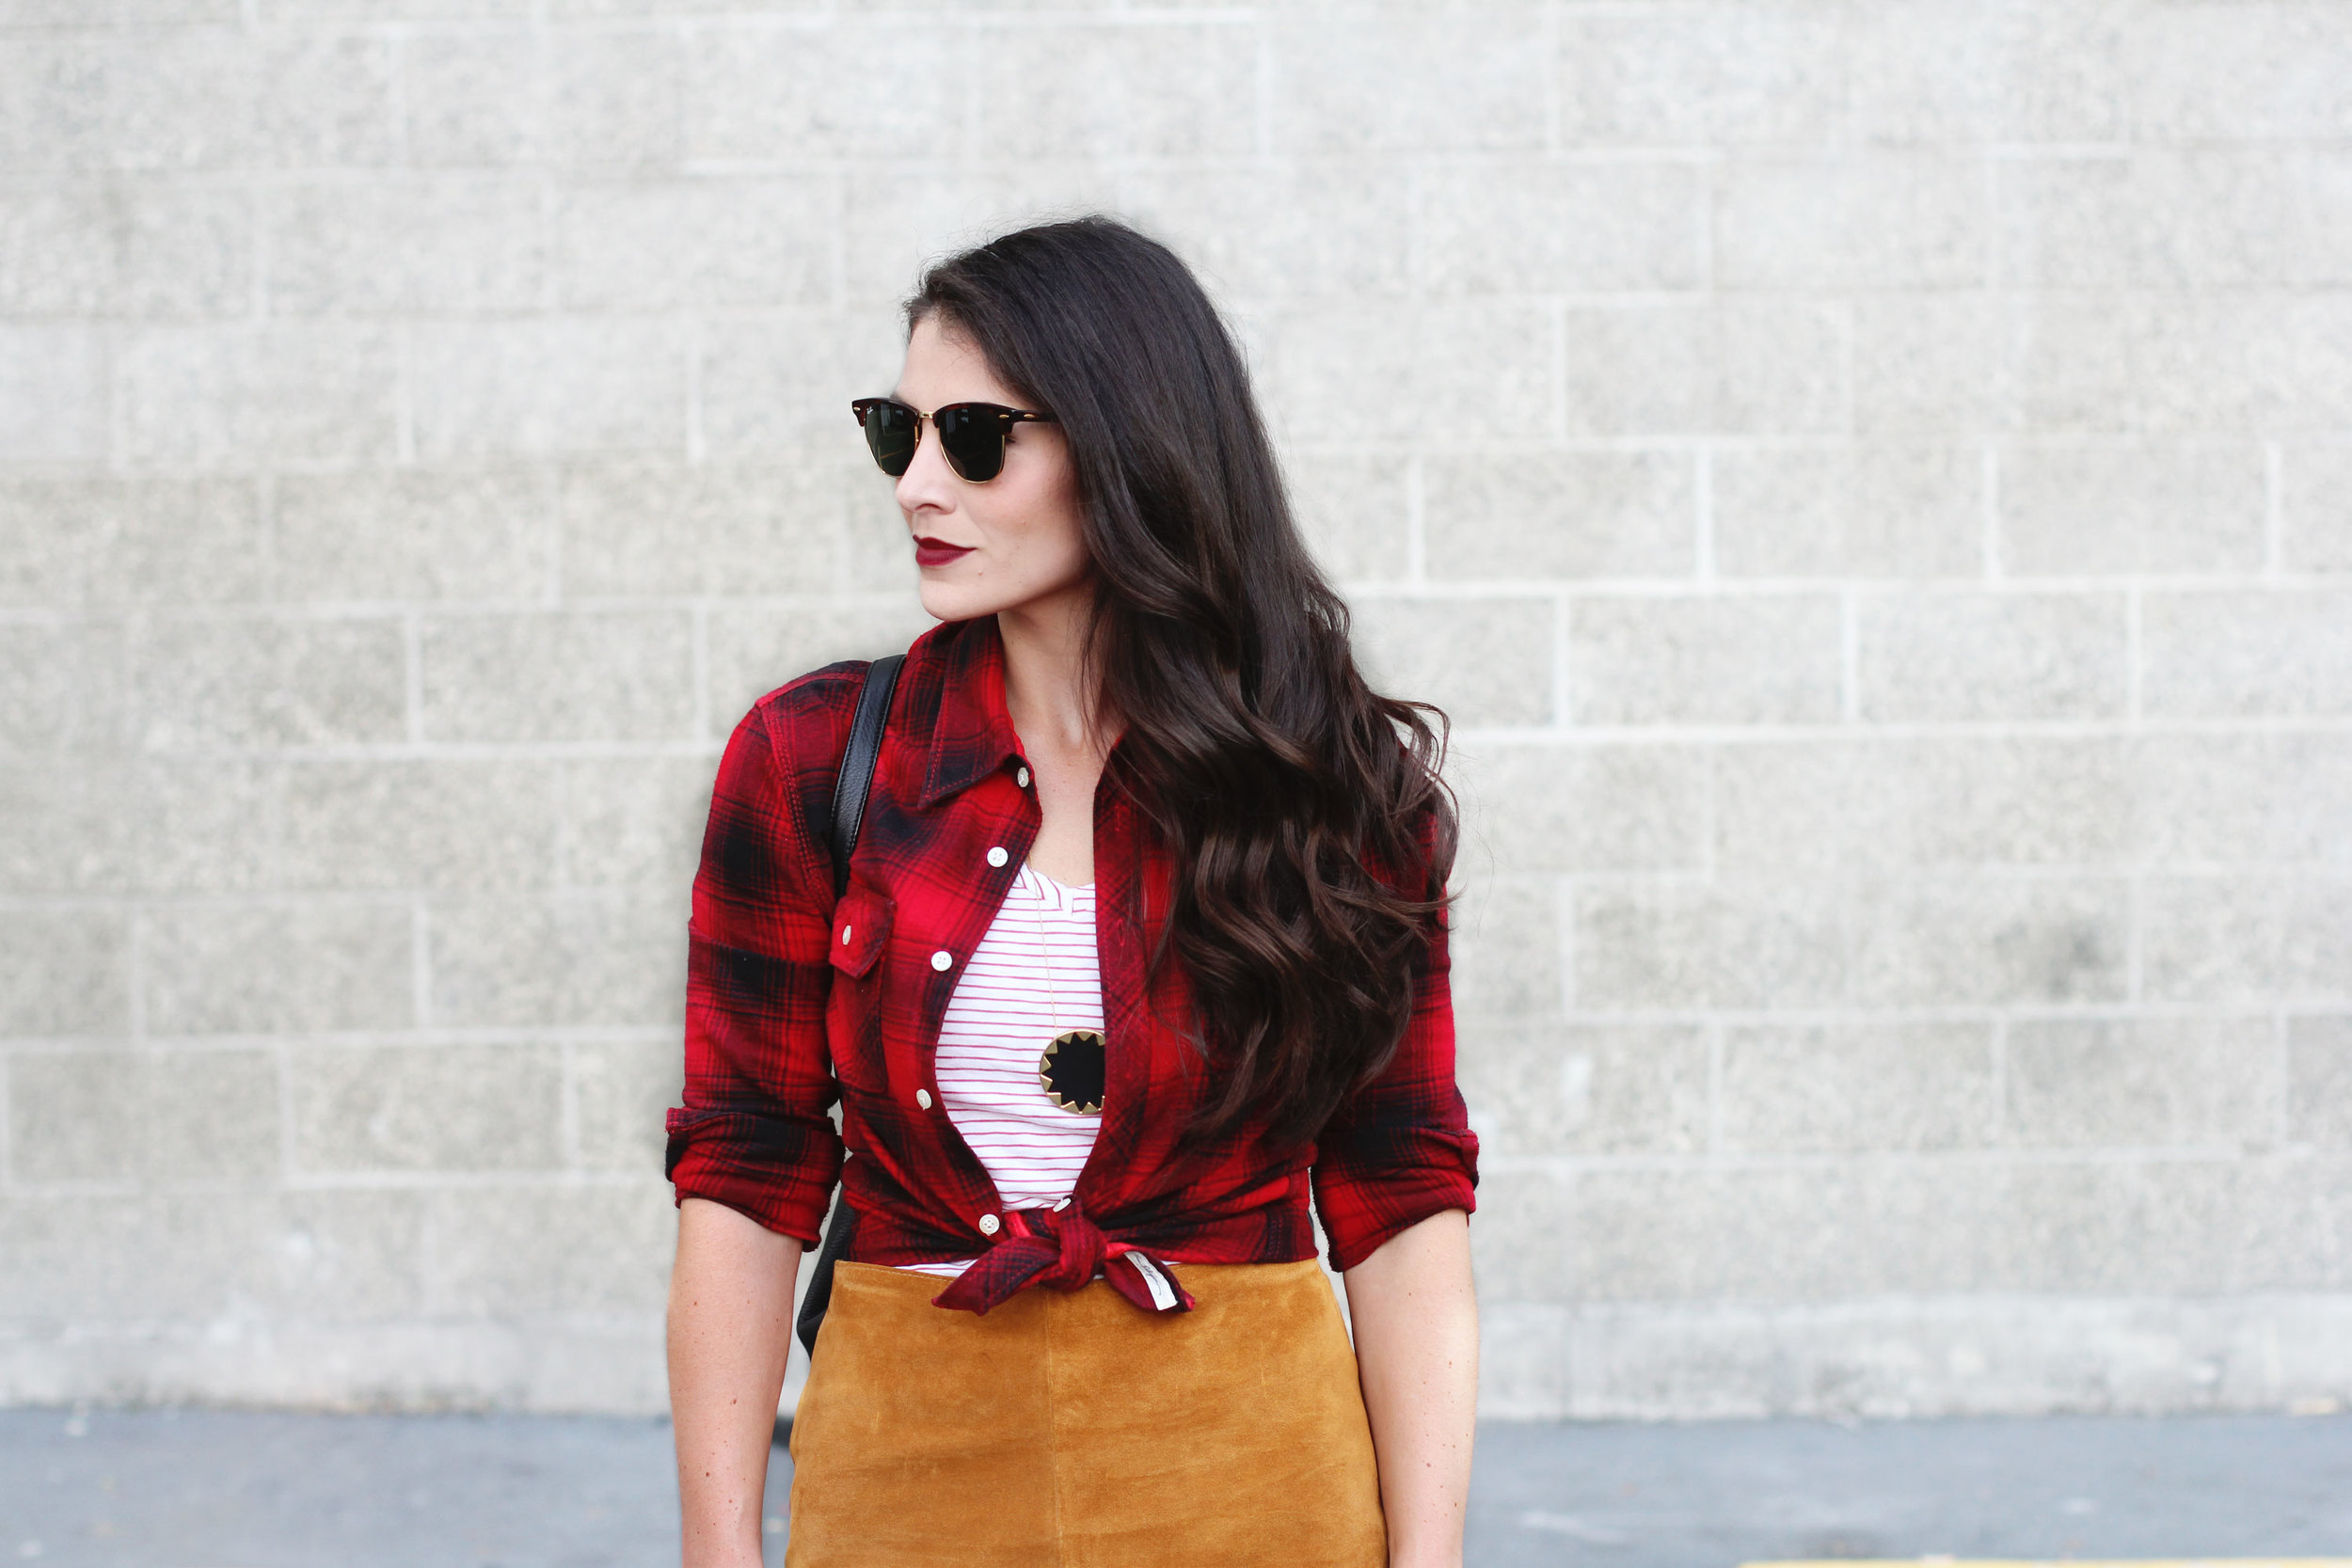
(938, 552)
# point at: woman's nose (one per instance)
(927, 480)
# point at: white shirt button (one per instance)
(1059, 1206)
(844, 936)
(996, 855)
(989, 1225)
(942, 960)
(922, 1098)
(1021, 778)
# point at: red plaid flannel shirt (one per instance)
(792, 1000)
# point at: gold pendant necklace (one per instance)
(1072, 1068)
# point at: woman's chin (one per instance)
(948, 601)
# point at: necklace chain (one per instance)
(1061, 1039)
(1044, 955)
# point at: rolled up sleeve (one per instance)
(1401, 1148)
(754, 1132)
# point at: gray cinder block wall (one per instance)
(1872, 483)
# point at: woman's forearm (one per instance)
(730, 1331)
(1415, 1317)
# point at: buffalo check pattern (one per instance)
(795, 1000)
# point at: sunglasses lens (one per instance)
(890, 434)
(974, 440)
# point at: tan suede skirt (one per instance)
(1070, 1428)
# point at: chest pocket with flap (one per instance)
(861, 929)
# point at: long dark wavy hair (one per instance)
(1311, 832)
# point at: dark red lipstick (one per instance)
(937, 552)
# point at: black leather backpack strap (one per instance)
(855, 780)
(851, 784)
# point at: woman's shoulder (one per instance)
(805, 715)
(816, 695)
(809, 715)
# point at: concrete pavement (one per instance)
(218, 1489)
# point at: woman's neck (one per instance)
(1046, 693)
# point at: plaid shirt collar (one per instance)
(957, 697)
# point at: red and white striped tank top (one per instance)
(1033, 975)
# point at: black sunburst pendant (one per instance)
(1071, 1070)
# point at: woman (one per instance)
(1143, 939)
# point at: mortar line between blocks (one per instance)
(1991, 194)
(1709, 166)
(1715, 1051)
(265, 498)
(1997, 1051)
(2132, 654)
(551, 518)
(282, 1055)
(567, 1109)
(529, 606)
(1416, 184)
(1680, 586)
(1561, 716)
(1848, 657)
(110, 338)
(429, 1287)
(372, 1040)
(403, 396)
(395, 94)
(420, 961)
(412, 676)
(697, 441)
(1992, 472)
(1558, 314)
(537, 1179)
(699, 647)
(1563, 912)
(1703, 504)
(972, 109)
(1847, 321)
(1261, 96)
(550, 293)
(838, 250)
(2134, 942)
(560, 874)
(2274, 520)
(136, 938)
(258, 290)
(2282, 1118)
(1711, 786)
(1573, 735)
(1416, 532)
(1547, 40)
(1865, 1163)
